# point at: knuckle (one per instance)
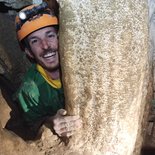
(56, 128)
(69, 134)
(56, 121)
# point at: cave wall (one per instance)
(13, 63)
(16, 4)
(107, 78)
(106, 65)
(152, 33)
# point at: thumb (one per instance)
(61, 112)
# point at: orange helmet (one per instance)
(34, 21)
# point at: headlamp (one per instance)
(26, 14)
(22, 15)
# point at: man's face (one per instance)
(44, 48)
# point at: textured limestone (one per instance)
(152, 32)
(150, 136)
(5, 113)
(12, 144)
(107, 72)
(106, 67)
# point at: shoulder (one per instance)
(32, 73)
(31, 81)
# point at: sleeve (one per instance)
(28, 97)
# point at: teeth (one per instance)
(49, 55)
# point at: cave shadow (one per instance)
(14, 65)
(15, 123)
(148, 151)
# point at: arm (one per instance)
(35, 115)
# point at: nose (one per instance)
(45, 44)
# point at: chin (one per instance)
(51, 68)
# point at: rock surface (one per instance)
(13, 63)
(16, 4)
(107, 73)
(107, 77)
(10, 143)
(13, 145)
(5, 113)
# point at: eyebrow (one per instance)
(32, 38)
(49, 32)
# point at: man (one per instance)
(41, 94)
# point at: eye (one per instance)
(33, 41)
(51, 35)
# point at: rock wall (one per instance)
(12, 60)
(106, 66)
(107, 73)
(152, 33)
(16, 4)
(10, 143)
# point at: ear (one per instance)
(29, 53)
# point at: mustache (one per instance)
(49, 50)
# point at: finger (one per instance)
(68, 127)
(64, 127)
(74, 125)
(61, 112)
(68, 119)
(65, 119)
(62, 123)
(66, 134)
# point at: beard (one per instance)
(52, 68)
(44, 59)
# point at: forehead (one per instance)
(42, 31)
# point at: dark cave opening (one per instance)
(4, 8)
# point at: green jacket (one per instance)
(37, 98)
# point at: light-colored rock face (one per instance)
(106, 75)
(106, 68)
(152, 32)
(5, 113)
(10, 143)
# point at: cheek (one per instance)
(35, 51)
(55, 43)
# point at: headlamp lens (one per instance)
(22, 15)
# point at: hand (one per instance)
(65, 126)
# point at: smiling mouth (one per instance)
(49, 55)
